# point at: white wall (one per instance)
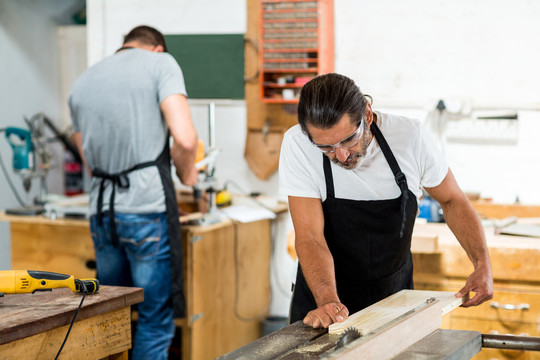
(29, 83)
(409, 54)
(420, 50)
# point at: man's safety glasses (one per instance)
(347, 143)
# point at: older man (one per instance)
(353, 176)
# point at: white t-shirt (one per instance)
(301, 171)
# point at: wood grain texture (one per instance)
(262, 151)
(513, 258)
(23, 315)
(501, 211)
(92, 338)
(220, 260)
(386, 310)
(395, 336)
(62, 245)
(516, 269)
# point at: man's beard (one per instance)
(355, 157)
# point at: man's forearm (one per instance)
(318, 269)
(183, 159)
(464, 222)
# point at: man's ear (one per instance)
(158, 48)
(369, 114)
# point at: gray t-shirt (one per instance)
(115, 104)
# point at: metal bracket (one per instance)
(196, 317)
(196, 238)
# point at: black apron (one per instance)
(121, 180)
(370, 242)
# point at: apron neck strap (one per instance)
(399, 176)
(330, 194)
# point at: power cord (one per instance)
(263, 313)
(273, 269)
(85, 291)
(253, 196)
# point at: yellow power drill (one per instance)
(29, 281)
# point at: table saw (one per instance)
(405, 325)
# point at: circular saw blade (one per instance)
(348, 336)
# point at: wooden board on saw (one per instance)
(394, 336)
(403, 319)
(380, 313)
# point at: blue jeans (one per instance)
(142, 259)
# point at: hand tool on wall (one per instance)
(28, 281)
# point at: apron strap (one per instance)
(120, 180)
(399, 176)
(328, 177)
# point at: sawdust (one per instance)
(312, 348)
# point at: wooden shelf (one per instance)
(280, 101)
(297, 39)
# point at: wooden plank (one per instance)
(43, 220)
(380, 313)
(93, 338)
(395, 336)
(277, 343)
(513, 258)
(501, 211)
(23, 315)
(424, 243)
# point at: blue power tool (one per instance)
(22, 147)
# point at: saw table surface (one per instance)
(299, 341)
(33, 326)
(405, 325)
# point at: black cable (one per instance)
(263, 313)
(236, 262)
(85, 291)
(273, 235)
(4, 170)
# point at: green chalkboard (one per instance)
(213, 65)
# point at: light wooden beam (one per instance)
(386, 310)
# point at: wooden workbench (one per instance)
(226, 274)
(33, 326)
(61, 245)
(440, 263)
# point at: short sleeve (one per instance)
(433, 165)
(74, 117)
(296, 175)
(169, 77)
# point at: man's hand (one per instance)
(326, 315)
(480, 282)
